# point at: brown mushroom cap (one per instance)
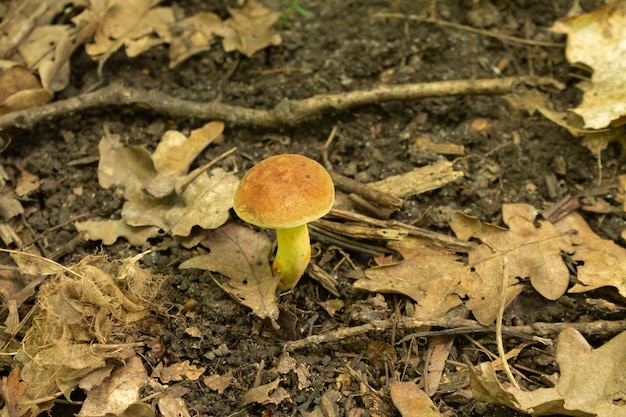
(284, 191)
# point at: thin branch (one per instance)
(286, 113)
(599, 328)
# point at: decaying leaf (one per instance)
(532, 252)
(118, 391)
(158, 191)
(411, 401)
(591, 382)
(598, 40)
(195, 34)
(242, 255)
(437, 283)
(270, 393)
(177, 372)
(137, 25)
(250, 29)
(171, 405)
(602, 263)
(175, 153)
(11, 390)
(108, 231)
(86, 317)
(20, 89)
(218, 382)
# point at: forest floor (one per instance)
(505, 156)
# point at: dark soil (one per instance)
(342, 48)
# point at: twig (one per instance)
(287, 112)
(499, 342)
(599, 328)
(471, 29)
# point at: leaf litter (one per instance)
(473, 280)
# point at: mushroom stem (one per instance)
(292, 256)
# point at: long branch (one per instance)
(285, 113)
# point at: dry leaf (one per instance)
(108, 231)
(532, 252)
(250, 29)
(602, 263)
(598, 40)
(118, 391)
(85, 317)
(134, 24)
(242, 255)
(437, 283)
(269, 393)
(193, 35)
(171, 405)
(177, 372)
(218, 382)
(20, 89)
(591, 382)
(11, 390)
(411, 401)
(175, 153)
(207, 200)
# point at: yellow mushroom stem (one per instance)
(292, 255)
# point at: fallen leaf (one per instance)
(242, 255)
(208, 200)
(194, 34)
(601, 262)
(175, 153)
(171, 405)
(118, 391)
(123, 165)
(12, 389)
(270, 393)
(411, 401)
(218, 382)
(250, 29)
(178, 372)
(532, 252)
(597, 39)
(436, 283)
(137, 25)
(108, 231)
(20, 89)
(591, 381)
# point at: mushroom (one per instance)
(285, 192)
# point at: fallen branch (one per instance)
(286, 113)
(599, 328)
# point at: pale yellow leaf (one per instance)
(208, 200)
(175, 153)
(108, 231)
(598, 40)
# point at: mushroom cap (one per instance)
(284, 191)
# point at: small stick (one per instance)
(350, 185)
(371, 208)
(504, 283)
